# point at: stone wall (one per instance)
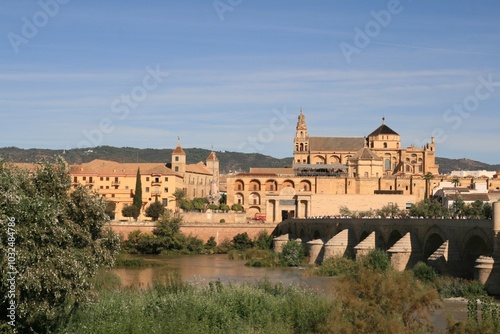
(220, 231)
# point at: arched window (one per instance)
(385, 145)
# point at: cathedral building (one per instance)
(361, 173)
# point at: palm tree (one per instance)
(179, 195)
(428, 177)
(455, 181)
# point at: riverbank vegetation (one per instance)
(56, 241)
(175, 306)
(374, 292)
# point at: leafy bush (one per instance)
(424, 273)
(337, 266)
(237, 207)
(449, 287)
(263, 240)
(242, 241)
(292, 254)
(155, 210)
(377, 259)
(60, 244)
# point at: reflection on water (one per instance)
(202, 269)
(206, 268)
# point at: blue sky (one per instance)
(233, 74)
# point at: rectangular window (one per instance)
(176, 168)
(107, 187)
(126, 187)
(75, 179)
(112, 195)
(107, 178)
(101, 178)
(176, 158)
(147, 189)
(166, 179)
(84, 178)
(165, 190)
(147, 179)
(164, 202)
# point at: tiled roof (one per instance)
(178, 150)
(106, 167)
(469, 197)
(383, 130)
(365, 154)
(335, 143)
(198, 168)
(272, 171)
(212, 157)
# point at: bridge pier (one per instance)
(279, 242)
(405, 252)
(365, 246)
(340, 245)
(315, 251)
(487, 269)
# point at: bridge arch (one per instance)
(393, 238)
(475, 244)
(364, 234)
(433, 239)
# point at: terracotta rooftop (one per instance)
(212, 157)
(198, 168)
(271, 171)
(365, 154)
(335, 143)
(469, 197)
(106, 167)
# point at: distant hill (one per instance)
(235, 161)
(446, 165)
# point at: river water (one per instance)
(202, 269)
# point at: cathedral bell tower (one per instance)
(301, 141)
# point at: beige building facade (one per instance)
(361, 173)
(116, 181)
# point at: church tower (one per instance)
(301, 141)
(179, 159)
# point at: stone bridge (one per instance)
(465, 248)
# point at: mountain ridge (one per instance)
(229, 161)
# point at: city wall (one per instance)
(203, 231)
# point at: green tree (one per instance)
(428, 177)
(137, 200)
(155, 210)
(344, 211)
(60, 243)
(179, 195)
(459, 208)
(242, 241)
(131, 211)
(292, 254)
(223, 199)
(200, 203)
(389, 210)
(187, 205)
(110, 209)
(237, 207)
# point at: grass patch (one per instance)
(177, 307)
